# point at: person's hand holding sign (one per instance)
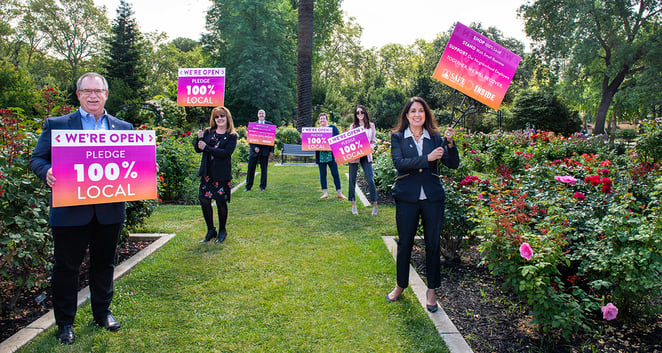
(201, 144)
(50, 179)
(448, 135)
(437, 153)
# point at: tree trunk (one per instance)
(305, 65)
(608, 92)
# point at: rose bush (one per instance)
(25, 242)
(590, 219)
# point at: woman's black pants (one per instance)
(407, 214)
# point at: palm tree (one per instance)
(305, 64)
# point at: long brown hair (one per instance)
(430, 121)
(366, 117)
(218, 111)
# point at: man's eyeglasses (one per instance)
(219, 116)
(87, 92)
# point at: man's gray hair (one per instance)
(91, 74)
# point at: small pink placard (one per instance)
(350, 145)
(261, 134)
(201, 87)
(316, 138)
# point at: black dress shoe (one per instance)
(108, 322)
(221, 236)
(65, 334)
(211, 234)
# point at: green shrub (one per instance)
(173, 116)
(594, 228)
(626, 134)
(25, 242)
(241, 152)
(178, 168)
(649, 143)
(286, 134)
(136, 214)
(383, 169)
(544, 111)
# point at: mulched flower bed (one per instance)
(493, 320)
(37, 302)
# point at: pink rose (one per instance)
(525, 251)
(579, 196)
(566, 179)
(609, 312)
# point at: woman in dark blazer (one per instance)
(216, 143)
(416, 145)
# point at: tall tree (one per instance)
(74, 28)
(603, 40)
(255, 41)
(125, 59)
(305, 64)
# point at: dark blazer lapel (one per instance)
(74, 121)
(427, 145)
(112, 124)
(410, 147)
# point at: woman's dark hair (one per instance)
(222, 110)
(430, 121)
(366, 117)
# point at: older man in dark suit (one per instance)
(258, 154)
(76, 228)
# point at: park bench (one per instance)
(293, 150)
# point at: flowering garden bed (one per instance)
(571, 226)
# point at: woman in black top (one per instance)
(216, 143)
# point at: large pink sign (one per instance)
(102, 166)
(261, 134)
(201, 87)
(350, 145)
(477, 66)
(316, 138)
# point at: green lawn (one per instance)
(295, 274)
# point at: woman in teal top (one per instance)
(325, 159)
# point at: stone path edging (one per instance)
(448, 332)
(28, 333)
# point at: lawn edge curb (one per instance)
(445, 327)
(28, 333)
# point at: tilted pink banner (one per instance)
(477, 66)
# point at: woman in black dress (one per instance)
(216, 143)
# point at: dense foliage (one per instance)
(24, 234)
(590, 217)
(544, 111)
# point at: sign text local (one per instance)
(103, 166)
